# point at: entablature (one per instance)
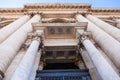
(59, 30)
(58, 10)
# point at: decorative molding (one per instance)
(38, 8)
(57, 6)
(105, 10)
(12, 10)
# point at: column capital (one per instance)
(82, 13)
(84, 36)
(36, 38)
(33, 13)
(79, 13)
(34, 35)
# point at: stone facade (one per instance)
(39, 35)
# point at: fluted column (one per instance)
(103, 67)
(112, 30)
(26, 65)
(6, 31)
(9, 48)
(108, 44)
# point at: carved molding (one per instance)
(81, 8)
(105, 10)
(54, 6)
(12, 10)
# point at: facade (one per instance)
(59, 42)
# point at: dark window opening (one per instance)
(55, 66)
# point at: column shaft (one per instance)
(103, 67)
(89, 64)
(11, 69)
(112, 30)
(108, 44)
(9, 48)
(6, 31)
(35, 67)
(26, 65)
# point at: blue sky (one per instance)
(95, 3)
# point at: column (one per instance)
(6, 31)
(26, 65)
(108, 44)
(9, 48)
(108, 60)
(12, 67)
(89, 65)
(36, 66)
(112, 30)
(103, 67)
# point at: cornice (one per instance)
(105, 10)
(57, 6)
(12, 10)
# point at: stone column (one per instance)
(103, 67)
(9, 47)
(12, 67)
(36, 66)
(112, 30)
(26, 65)
(6, 31)
(89, 65)
(108, 44)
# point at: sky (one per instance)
(94, 3)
